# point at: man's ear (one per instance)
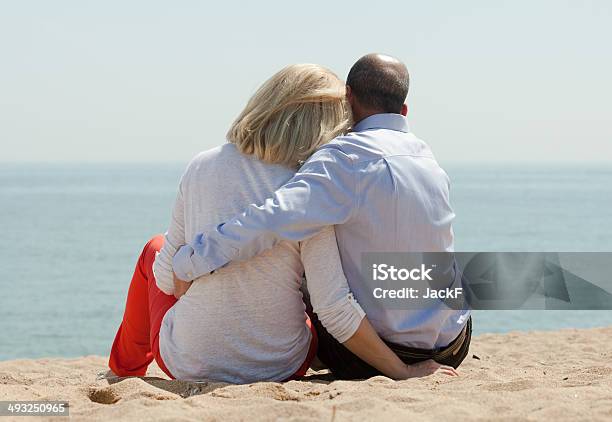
(404, 110)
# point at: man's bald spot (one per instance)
(385, 62)
(379, 82)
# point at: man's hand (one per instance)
(428, 367)
(180, 286)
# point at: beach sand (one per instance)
(560, 375)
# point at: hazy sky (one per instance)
(162, 80)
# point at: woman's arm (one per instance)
(338, 311)
(366, 344)
(173, 239)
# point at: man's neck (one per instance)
(358, 117)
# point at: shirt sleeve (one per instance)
(329, 292)
(173, 239)
(322, 193)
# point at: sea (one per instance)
(71, 234)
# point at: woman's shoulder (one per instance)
(228, 161)
(206, 161)
(220, 152)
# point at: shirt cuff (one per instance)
(182, 265)
(163, 275)
(343, 319)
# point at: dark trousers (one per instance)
(345, 365)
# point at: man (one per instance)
(383, 190)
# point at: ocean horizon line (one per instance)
(453, 163)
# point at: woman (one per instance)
(246, 322)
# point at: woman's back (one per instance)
(246, 321)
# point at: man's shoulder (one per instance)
(358, 147)
(380, 143)
(332, 155)
(343, 145)
(344, 142)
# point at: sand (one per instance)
(560, 375)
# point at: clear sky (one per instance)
(162, 80)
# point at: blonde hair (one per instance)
(295, 111)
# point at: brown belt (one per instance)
(413, 353)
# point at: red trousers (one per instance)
(137, 341)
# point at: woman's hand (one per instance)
(428, 367)
(368, 346)
(180, 286)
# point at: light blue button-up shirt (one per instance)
(383, 190)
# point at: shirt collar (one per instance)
(389, 121)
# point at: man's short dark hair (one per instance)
(379, 83)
